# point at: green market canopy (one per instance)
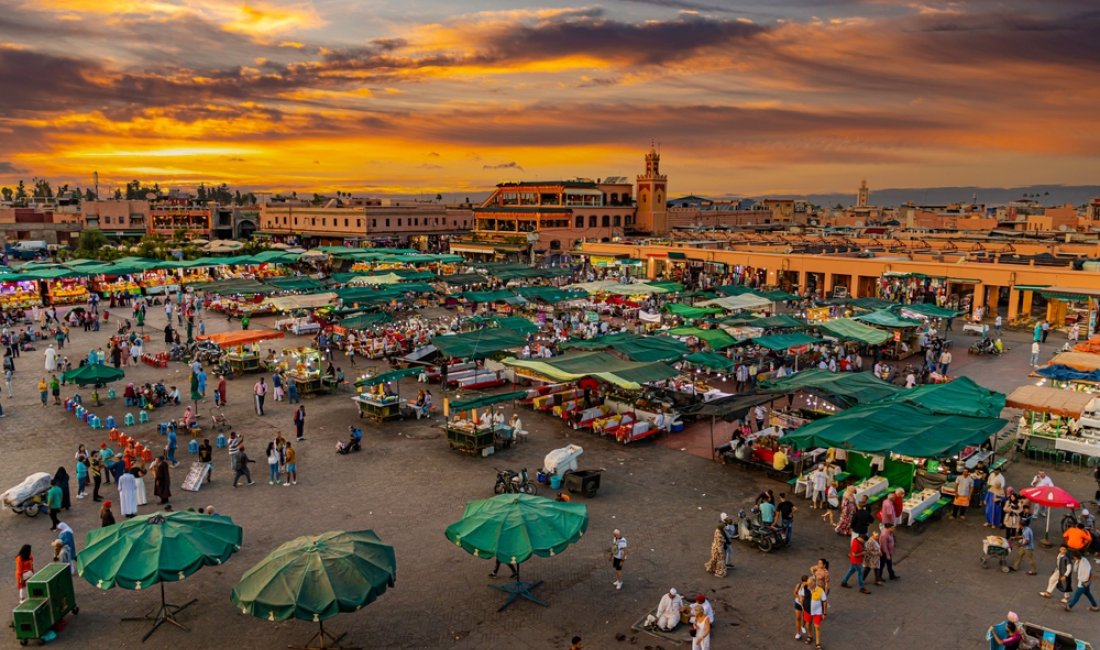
(300, 283)
(845, 389)
(733, 289)
(600, 365)
(365, 321)
(479, 343)
(689, 312)
(669, 287)
(899, 428)
(885, 318)
(711, 360)
(872, 304)
(777, 295)
(387, 377)
(738, 302)
(635, 346)
(550, 295)
(785, 341)
(851, 330)
(482, 401)
(462, 279)
(959, 397)
(515, 323)
(715, 339)
(96, 374)
(499, 295)
(927, 310)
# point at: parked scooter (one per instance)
(763, 536)
(509, 482)
(987, 346)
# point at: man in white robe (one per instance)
(668, 611)
(127, 495)
(51, 359)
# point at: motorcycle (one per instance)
(986, 346)
(764, 537)
(509, 482)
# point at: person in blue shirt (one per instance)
(1025, 547)
(767, 513)
(172, 444)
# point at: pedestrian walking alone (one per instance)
(260, 389)
(241, 468)
(300, 422)
(619, 552)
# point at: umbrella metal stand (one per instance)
(323, 641)
(166, 613)
(517, 589)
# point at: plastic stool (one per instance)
(129, 419)
(220, 441)
(77, 399)
(193, 446)
(69, 406)
(111, 394)
(143, 417)
(79, 411)
(110, 422)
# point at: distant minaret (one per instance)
(861, 197)
(651, 212)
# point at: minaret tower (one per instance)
(861, 196)
(651, 213)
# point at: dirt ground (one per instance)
(408, 486)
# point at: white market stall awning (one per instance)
(736, 303)
(310, 301)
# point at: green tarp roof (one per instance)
(515, 323)
(461, 279)
(777, 295)
(777, 322)
(928, 310)
(296, 283)
(871, 303)
(851, 330)
(233, 287)
(733, 289)
(842, 388)
(479, 343)
(959, 397)
(715, 339)
(387, 377)
(600, 365)
(784, 341)
(884, 318)
(691, 313)
(486, 400)
(637, 347)
(363, 321)
(670, 287)
(899, 428)
(551, 295)
(710, 360)
(500, 295)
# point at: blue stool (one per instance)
(220, 441)
(143, 417)
(129, 419)
(193, 446)
(111, 394)
(96, 422)
(110, 422)
(69, 405)
(78, 412)
(76, 399)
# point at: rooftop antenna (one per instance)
(95, 181)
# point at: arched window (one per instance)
(591, 221)
(616, 221)
(606, 221)
(579, 221)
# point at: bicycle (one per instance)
(1072, 518)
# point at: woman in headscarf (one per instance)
(1012, 510)
(717, 562)
(65, 534)
(162, 481)
(61, 479)
(847, 510)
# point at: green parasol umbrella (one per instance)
(96, 374)
(513, 527)
(161, 547)
(316, 577)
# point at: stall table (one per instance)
(1084, 446)
(871, 487)
(467, 438)
(307, 384)
(242, 362)
(917, 503)
(379, 410)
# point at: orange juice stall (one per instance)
(243, 348)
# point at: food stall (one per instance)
(303, 367)
(376, 400)
(18, 294)
(1057, 423)
(473, 433)
(67, 291)
(243, 348)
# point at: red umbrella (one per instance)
(1050, 495)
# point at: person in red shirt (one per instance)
(855, 560)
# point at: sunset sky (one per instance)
(453, 96)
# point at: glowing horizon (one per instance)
(794, 96)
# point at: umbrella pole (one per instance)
(166, 613)
(323, 641)
(1046, 533)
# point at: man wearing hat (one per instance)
(668, 610)
(708, 611)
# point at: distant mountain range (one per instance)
(1048, 195)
